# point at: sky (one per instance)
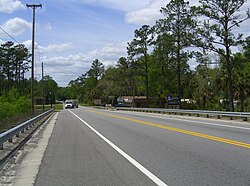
(70, 34)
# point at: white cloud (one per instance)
(28, 44)
(16, 26)
(65, 69)
(108, 54)
(9, 6)
(61, 62)
(147, 15)
(52, 48)
(150, 13)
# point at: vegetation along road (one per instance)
(96, 147)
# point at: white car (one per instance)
(68, 104)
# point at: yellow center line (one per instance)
(214, 138)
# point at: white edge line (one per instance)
(125, 155)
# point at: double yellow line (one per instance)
(205, 136)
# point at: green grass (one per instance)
(8, 122)
(57, 107)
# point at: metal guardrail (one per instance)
(8, 135)
(244, 115)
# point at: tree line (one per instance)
(158, 57)
(14, 63)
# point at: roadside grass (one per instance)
(10, 122)
(57, 107)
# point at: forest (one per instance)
(157, 65)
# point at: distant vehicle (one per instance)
(121, 105)
(71, 104)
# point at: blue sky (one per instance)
(70, 34)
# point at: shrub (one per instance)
(22, 105)
(11, 104)
(6, 110)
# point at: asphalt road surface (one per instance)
(97, 147)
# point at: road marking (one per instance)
(192, 121)
(214, 138)
(125, 155)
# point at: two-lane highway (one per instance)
(97, 147)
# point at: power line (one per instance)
(9, 35)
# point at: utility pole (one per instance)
(33, 6)
(42, 87)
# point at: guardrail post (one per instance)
(10, 140)
(207, 115)
(218, 117)
(1, 146)
(18, 135)
(245, 119)
(198, 115)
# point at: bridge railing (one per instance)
(244, 115)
